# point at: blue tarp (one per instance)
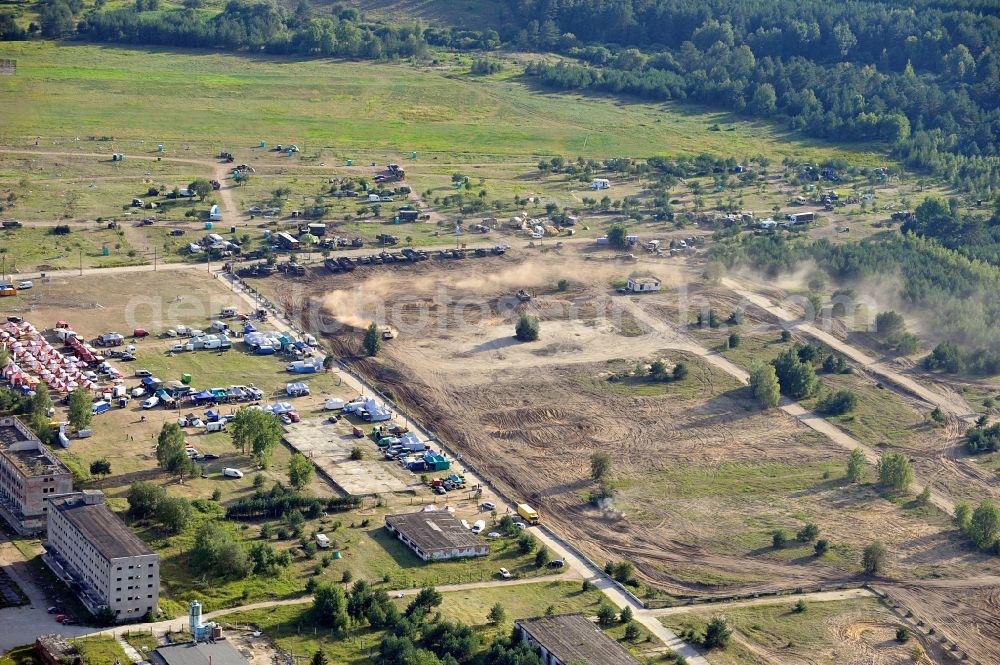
(204, 394)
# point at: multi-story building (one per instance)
(100, 558)
(29, 475)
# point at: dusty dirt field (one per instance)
(964, 614)
(530, 415)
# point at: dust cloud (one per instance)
(365, 302)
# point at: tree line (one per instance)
(923, 81)
(953, 292)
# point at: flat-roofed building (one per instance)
(436, 535)
(572, 638)
(100, 558)
(29, 475)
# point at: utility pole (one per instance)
(81, 262)
(154, 259)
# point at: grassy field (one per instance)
(368, 551)
(98, 650)
(291, 626)
(342, 110)
(842, 631)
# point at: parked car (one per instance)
(489, 505)
(178, 348)
(232, 473)
(504, 573)
(26, 284)
(55, 609)
(171, 333)
(142, 373)
(127, 357)
(521, 525)
(493, 534)
(211, 456)
(557, 563)
(151, 402)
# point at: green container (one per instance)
(186, 379)
(336, 555)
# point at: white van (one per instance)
(219, 326)
(232, 473)
(218, 426)
(151, 402)
(229, 311)
(479, 526)
(322, 541)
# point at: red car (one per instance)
(294, 417)
(140, 332)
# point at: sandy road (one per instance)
(817, 597)
(792, 408)
(949, 403)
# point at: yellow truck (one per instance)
(529, 514)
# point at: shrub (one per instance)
(717, 634)
(779, 539)
(837, 403)
(527, 328)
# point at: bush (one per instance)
(821, 547)
(902, 634)
(895, 471)
(808, 533)
(837, 403)
(606, 614)
(800, 606)
(875, 559)
(717, 634)
(779, 539)
(632, 631)
(527, 328)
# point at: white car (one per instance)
(504, 573)
(493, 534)
(171, 333)
(232, 473)
(489, 505)
(26, 284)
(178, 348)
(521, 525)
(151, 402)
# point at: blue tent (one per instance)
(204, 395)
(211, 416)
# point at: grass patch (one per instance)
(353, 105)
(881, 416)
(100, 650)
(817, 635)
(25, 655)
(140, 641)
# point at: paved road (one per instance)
(20, 625)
